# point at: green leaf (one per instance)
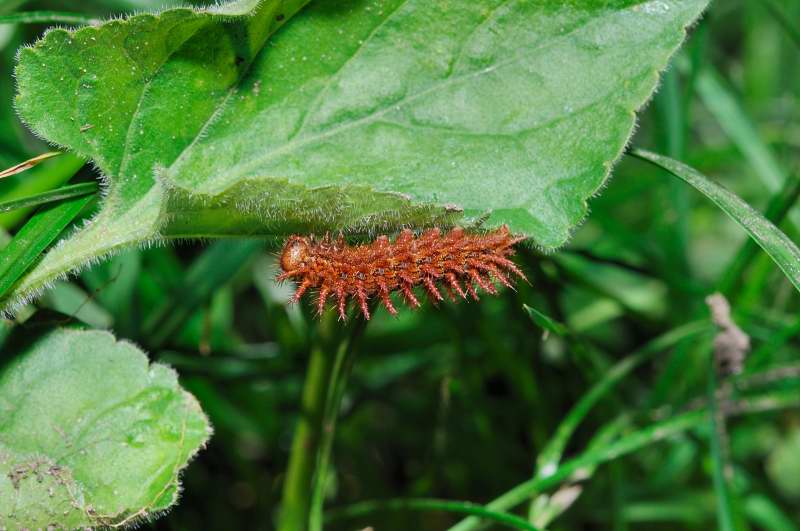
(545, 322)
(35, 236)
(777, 245)
(358, 116)
(90, 434)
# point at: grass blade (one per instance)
(48, 17)
(779, 206)
(34, 237)
(545, 322)
(28, 164)
(65, 192)
(741, 130)
(783, 21)
(724, 499)
(49, 175)
(763, 511)
(625, 445)
(216, 266)
(775, 243)
(430, 504)
(550, 456)
(672, 115)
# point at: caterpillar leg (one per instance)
(323, 295)
(487, 286)
(511, 266)
(411, 300)
(451, 278)
(302, 289)
(362, 301)
(387, 301)
(431, 287)
(341, 297)
(471, 290)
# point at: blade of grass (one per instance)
(34, 237)
(114, 284)
(672, 116)
(775, 243)
(545, 322)
(10, 5)
(216, 266)
(783, 21)
(550, 456)
(65, 192)
(47, 17)
(629, 443)
(763, 355)
(690, 512)
(739, 127)
(428, 504)
(49, 175)
(28, 164)
(758, 277)
(72, 301)
(777, 376)
(724, 499)
(767, 514)
(544, 507)
(779, 206)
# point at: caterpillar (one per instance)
(456, 261)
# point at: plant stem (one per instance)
(717, 437)
(304, 488)
(297, 486)
(342, 367)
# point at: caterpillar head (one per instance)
(295, 252)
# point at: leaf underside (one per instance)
(357, 116)
(91, 435)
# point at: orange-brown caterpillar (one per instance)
(361, 272)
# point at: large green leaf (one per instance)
(90, 434)
(359, 115)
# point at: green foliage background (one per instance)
(461, 403)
